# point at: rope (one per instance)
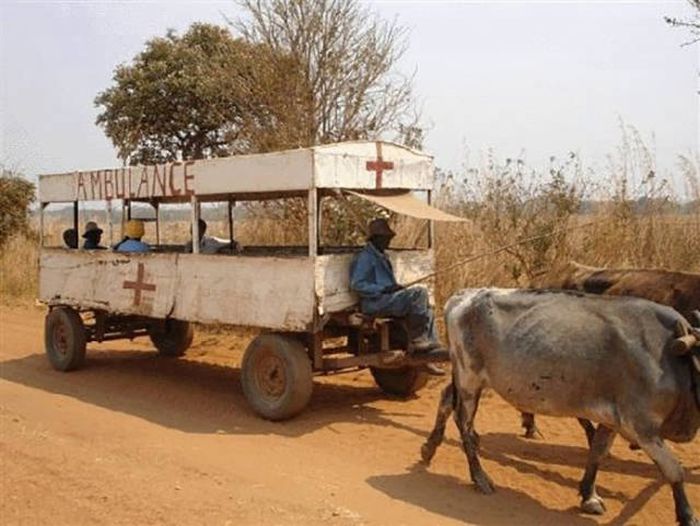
(476, 257)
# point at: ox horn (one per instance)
(687, 338)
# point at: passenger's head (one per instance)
(202, 225)
(135, 229)
(93, 233)
(380, 234)
(70, 238)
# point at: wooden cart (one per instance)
(301, 300)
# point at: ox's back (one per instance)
(680, 290)
(572, 354)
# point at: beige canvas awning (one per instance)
(407, 204)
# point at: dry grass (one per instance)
(635, 221)
(19, 270)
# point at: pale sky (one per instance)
(545, 78)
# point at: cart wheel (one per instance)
(401, 382)
(64, 339)
(171, 337)
(276, 376)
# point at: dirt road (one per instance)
(134, 439)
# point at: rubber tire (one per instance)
(171, 337)
(401, 382)
(73, 356)
(296, 386)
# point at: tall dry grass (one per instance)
(19, 270)
(625, 216)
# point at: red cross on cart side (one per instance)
(378, 166)
(139, 285)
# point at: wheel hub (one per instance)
(60, 338)
(270, 376)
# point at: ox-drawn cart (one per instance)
(300, 300)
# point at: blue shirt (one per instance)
(371, 272)
(133, 245)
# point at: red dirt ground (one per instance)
(134, 439)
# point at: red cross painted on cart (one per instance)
(378, 166)
(139, 285)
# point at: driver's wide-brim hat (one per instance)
(380, 227)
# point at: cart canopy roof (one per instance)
(366, 166)
(405, 203)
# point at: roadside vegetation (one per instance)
(291, 74)
(627, 216)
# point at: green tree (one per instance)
(16, 195)
(348, 57)
(203, 94)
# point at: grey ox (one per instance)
(628, 364)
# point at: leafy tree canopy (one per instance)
(16, 194)
(203, 94)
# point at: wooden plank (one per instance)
(98, 279)
(388, 360)
(275, 293)
(333, 276)
(265, 292)
(344, 165)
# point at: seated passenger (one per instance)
(70, 238)
(92, 236)
(210, 244)
(372, 278)
(132, 242)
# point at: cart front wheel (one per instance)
(276, 376)
(401, 382)
(64, 339)
(171, 337)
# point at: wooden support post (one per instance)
(195, 224)
(156, 205)
(313, 222)
(76, 218)
(316, 350)
(110, 228)
(41, 224)
(231, 204)
(431, 223)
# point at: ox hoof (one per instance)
(532, 433)
(427, 452)
(593, 505)
(483, 483)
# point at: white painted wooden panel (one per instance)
(269, 172)
(333, 276)
(342, 165)
(97, 280)
(346, 166)
(276, 293)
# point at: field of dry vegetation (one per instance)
(625, 218)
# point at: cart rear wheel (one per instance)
(276, 376)
(401, 382)
(64, 339)
(171, 337)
